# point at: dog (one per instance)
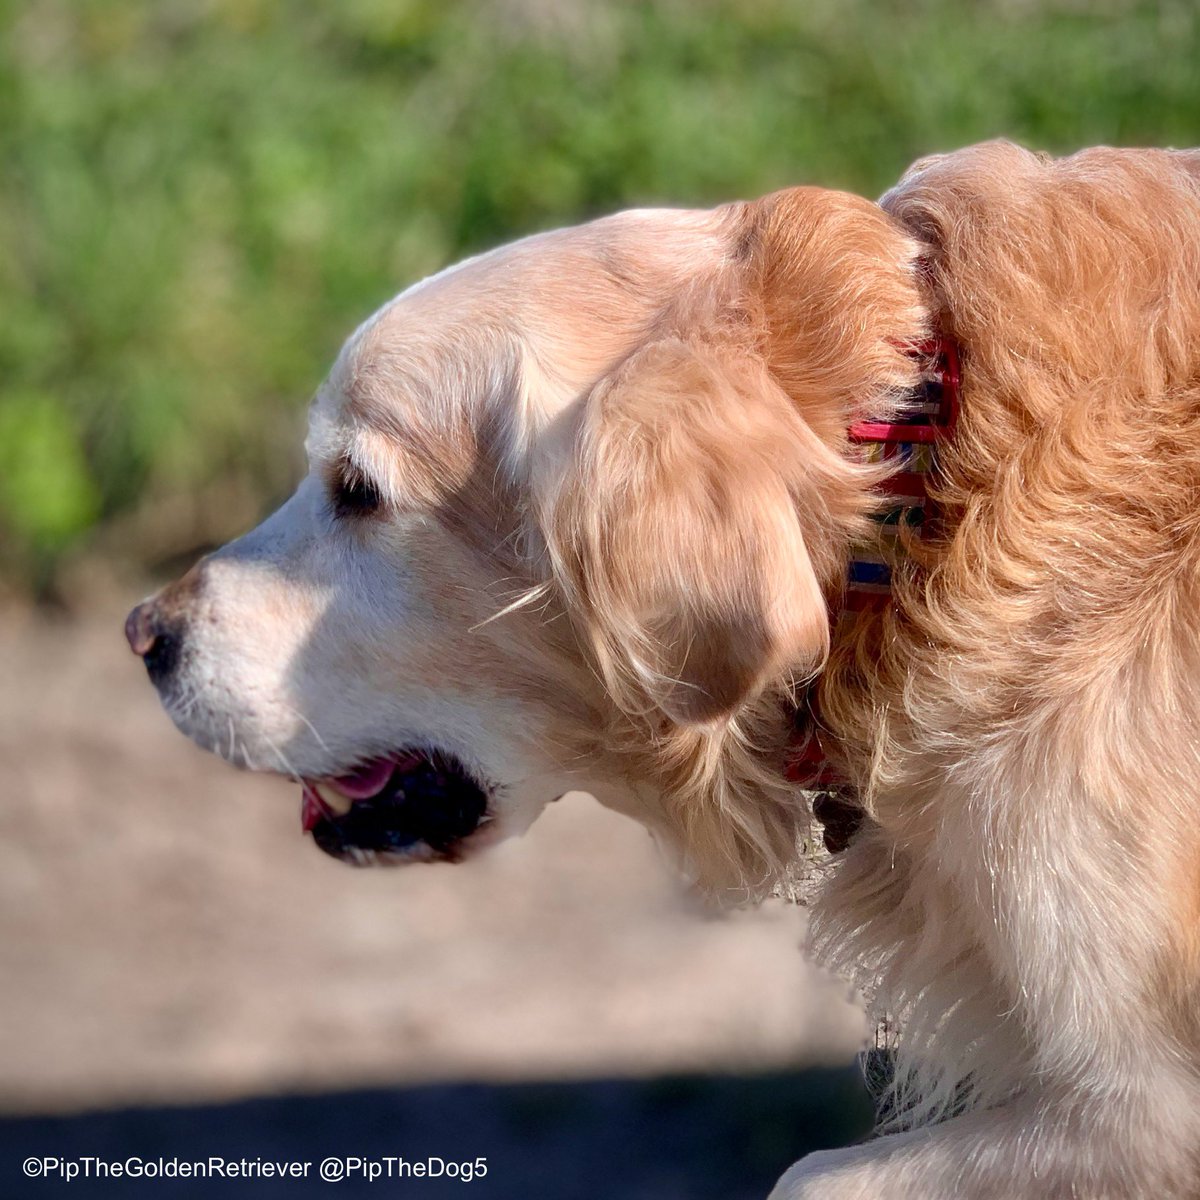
(579, 514)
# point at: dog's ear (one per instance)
(687, 521)
(835, 282)
(698, 504)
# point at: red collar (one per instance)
(928, 420)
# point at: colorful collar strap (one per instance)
(910, 444)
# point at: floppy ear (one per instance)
(689, 527)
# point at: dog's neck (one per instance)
(909, 443)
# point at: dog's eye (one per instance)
(353, 494)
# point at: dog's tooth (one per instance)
(337, 804)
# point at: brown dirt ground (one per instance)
(167, 934)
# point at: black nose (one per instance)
(157, 638)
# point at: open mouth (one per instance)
(412, 806)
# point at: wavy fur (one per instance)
(1023, 723)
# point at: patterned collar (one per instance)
(911, 444)
(929, 419)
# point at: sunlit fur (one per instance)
(1023, 723)
(618, 501)
(705, 507)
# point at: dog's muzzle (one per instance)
(414, 805)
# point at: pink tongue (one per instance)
(370, 779)
(366, 781)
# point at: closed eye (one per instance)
(352, 494)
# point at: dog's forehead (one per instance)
(555, 308)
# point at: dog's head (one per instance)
(572, 515)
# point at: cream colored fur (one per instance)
(619, 506)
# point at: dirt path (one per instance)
(167, 934)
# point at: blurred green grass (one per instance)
(200, 198)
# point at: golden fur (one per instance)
(620, 504)
(1022, 723)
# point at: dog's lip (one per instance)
(314, 807)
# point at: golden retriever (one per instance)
(578, 516)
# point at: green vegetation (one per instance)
(200, 198)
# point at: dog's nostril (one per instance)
(162, 655)
(156, 638)
(139, 629)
